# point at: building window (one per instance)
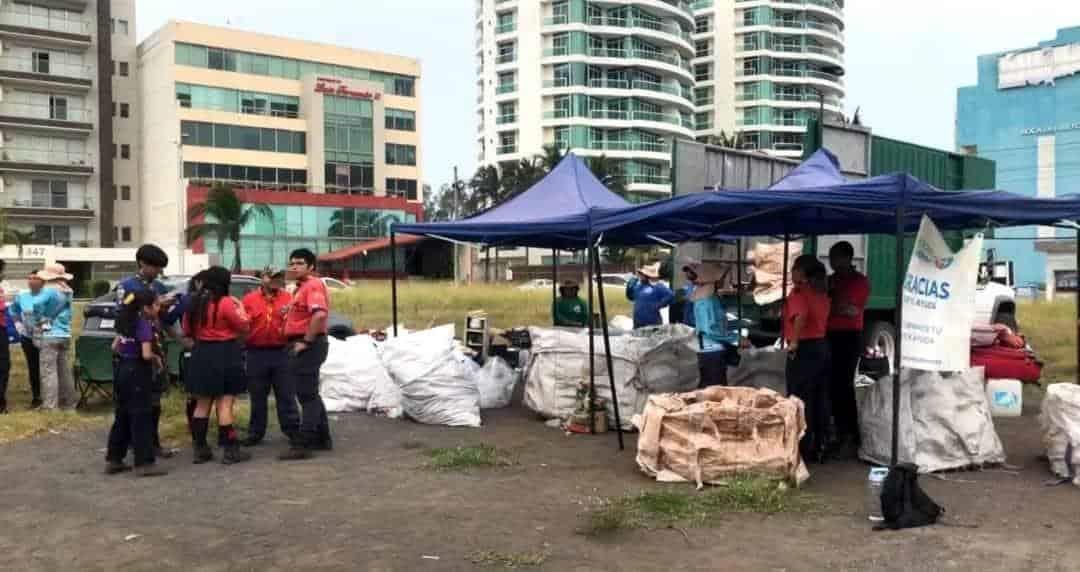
(404, 188)
(236, 101)
(116, 233)
(120, 27)
(49, 194)
(125, 192)
(125, 234)
(115, 151)
(259, 177)
(52, 234)
(507, 113)
(123, 69)
(507, 52)
(114, 109)
(400, 119)
(58, 107)
(239, 137)
(125, 151)
(702, 24)
(400, 154)
(507, 142)
(125, 110)
(40, 62)
(703, 72)
(1065, 281)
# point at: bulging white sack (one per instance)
(496, 381)
(438, 387)
(1060, 420)
(351, 374)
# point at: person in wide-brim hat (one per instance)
(54, 272)
(569, 309)
(649, 296)
(650, 271)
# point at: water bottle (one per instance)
(874, 482)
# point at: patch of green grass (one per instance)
(508, 559)
(464, 458)
(1050, 328)
(670, 507)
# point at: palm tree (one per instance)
(609, 173)
(223, 216)
(19, 237)
(485, 186)
(551, 156)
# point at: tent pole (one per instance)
(898, 317)
(554, 276)
(393, 279)
(607, 346)
(592, 341)
(738, 280)
(1078, 306)
(783, 287)
(487, 264)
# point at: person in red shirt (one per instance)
(267, 361)
(849, 291)
(305, 329)
(215, 371)
(806, 314)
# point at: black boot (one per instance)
(233, 453)
(189, 411)
(159, 451)
(200, 449)
(299, 449)
(116, 467)
(151, 470)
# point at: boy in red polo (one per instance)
(305, 330)
(267, 360)
(849, 291)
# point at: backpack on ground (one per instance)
(903, 502)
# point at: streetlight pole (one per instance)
(457, 201)
(181, 205)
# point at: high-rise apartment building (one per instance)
(763, 68)
(57, 132)
(327, 136)
(624, 78)
(600, 78)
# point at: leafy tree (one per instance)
(733, 141)
(609, 173)
(224, 215)
(551, 157)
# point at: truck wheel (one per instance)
(1007, 319)
(881, 335)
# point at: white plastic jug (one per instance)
(874, 483)
(1006, 397)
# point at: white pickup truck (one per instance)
(995, 298)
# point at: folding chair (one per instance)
(93, 367)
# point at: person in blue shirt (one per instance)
(22, 314)
(649, 296)
(53, 337)
(151, 261)
(683, 294)
(715, 336)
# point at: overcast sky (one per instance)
(904, 59)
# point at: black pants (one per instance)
(133, 426)
(268, 369)
(33, 365)
(304, 371)
(5, 373)
(844, 350)
(808, 379)
(713, 368)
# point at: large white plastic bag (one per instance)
(437, 386)
(496, 380)
(1060, 420)
(351, 374)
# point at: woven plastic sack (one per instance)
(437, 385)
(709, 435)
(1060, 420)
(351, 373)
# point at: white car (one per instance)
(334, 284)
(537, 284)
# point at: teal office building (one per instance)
(1024, 113)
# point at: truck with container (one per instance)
(697, 167)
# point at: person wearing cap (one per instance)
(649, 296)
(305, 329)
(22, 312)
(53, 336)
(267, 362)
(569, 309)
(715, 338)
(151, 261)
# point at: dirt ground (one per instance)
(370, 505)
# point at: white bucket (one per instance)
(1006, 397)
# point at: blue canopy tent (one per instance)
(557, 213)
(815, 199)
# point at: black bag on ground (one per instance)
(903, 502)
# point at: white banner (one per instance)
(939, 302)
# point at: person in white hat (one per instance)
(649, 296)
(715, 337)
(54, 311)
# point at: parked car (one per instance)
(537, 284)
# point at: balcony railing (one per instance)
(781, 121)
(646, 180)
(78, 71)
(641, 23)
(701, 4)
(619, 53)
(622, 115)
(11, 17)
(44, 111)
(791, 73)
(506, 58)
(506, 88)
(72, 203)
(644, 146)
(507, 118)
(620, 84)
(793, 49)
(506, 149)
(807, 97)
(506, 28)
(46, 156)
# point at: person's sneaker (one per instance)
(202, 455)
(234, 455)
(116, 467)
(295, 454)
(151, 470)
(252, 441)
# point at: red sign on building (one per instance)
(331, 86)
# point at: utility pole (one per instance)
(457, 203)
